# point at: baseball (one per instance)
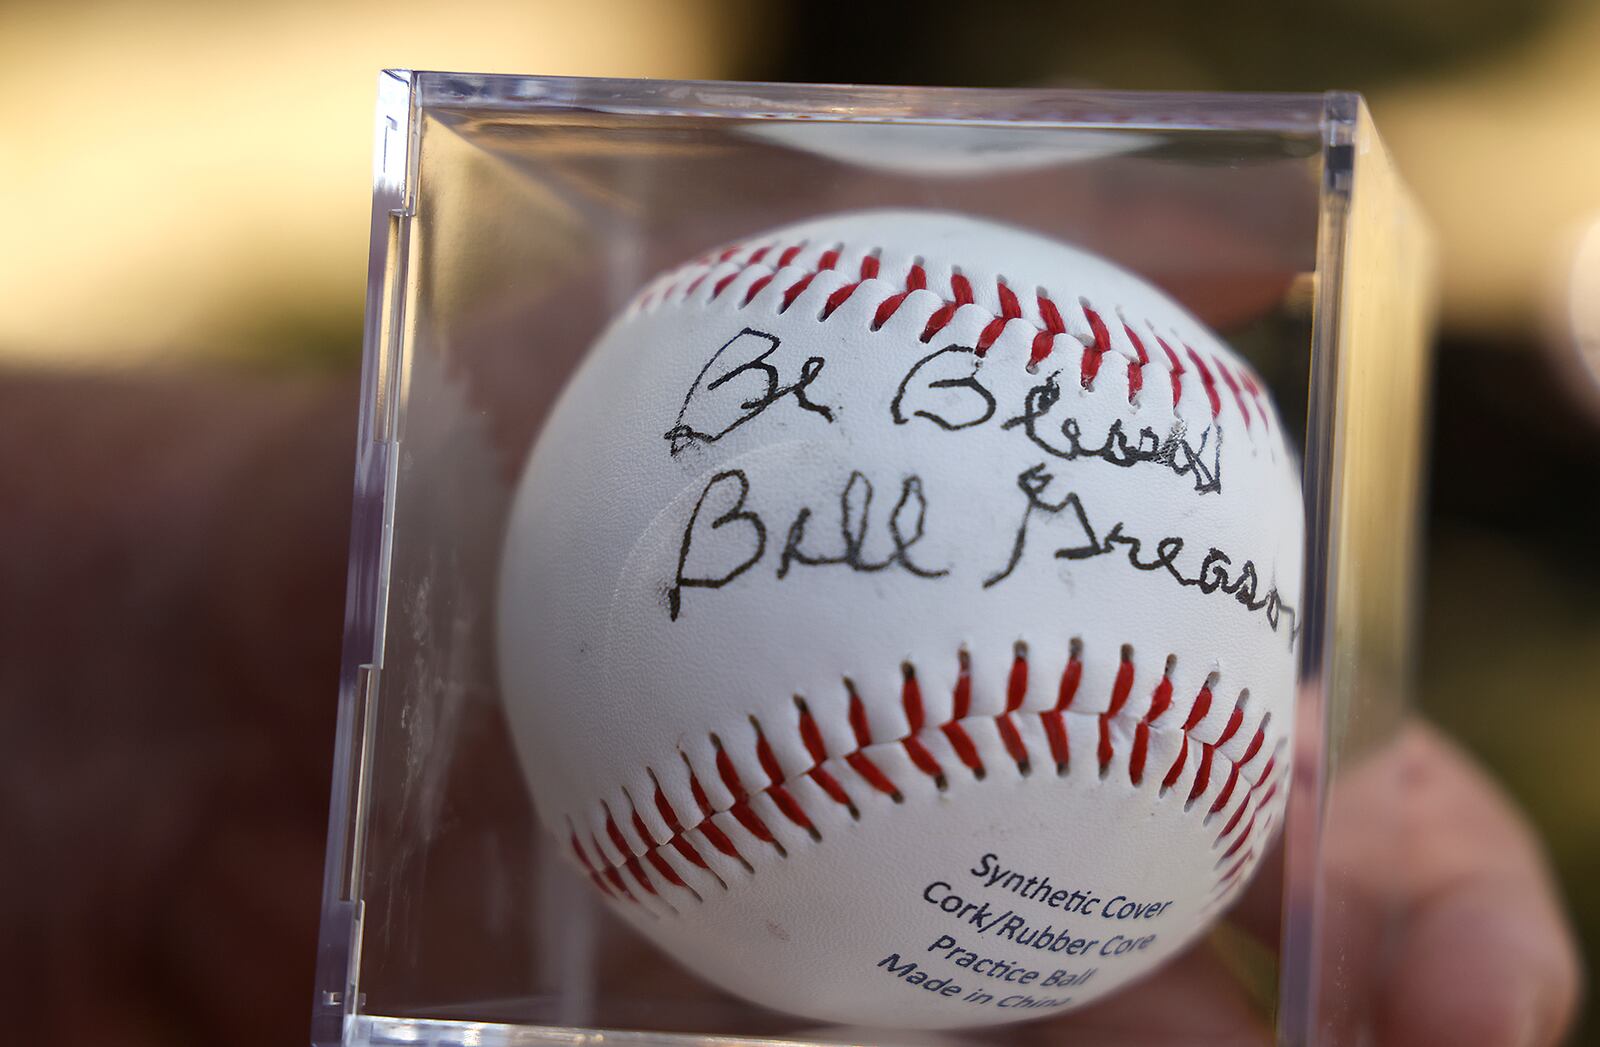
(898, 621)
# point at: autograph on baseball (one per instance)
(723, 405)
(898, 621)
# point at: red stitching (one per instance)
(1207, 381)
(1177, 371)
(1010, 308)
(838, 298)
(1177, 768)
(1202, 705)
(811, 737)
(941, 316)
(764, 754)
(756, 287)
(1051, 315)
(583, 859)
(1016, 693)
(1202, 775)
(810, 734)
(1050, 325)
(664, 867)
(1254, 390)
(680, 840)
(614, 878)
(961, 289)
(911, 700)
(1141, 746)
(1045, 341)
(1233, 387)
(1227, 790)
(1233, 725)
(1265, 781)
(718, 838)
(1070, 678)
(1135, 368)
(1255, 745)
(615, 834)
(1234, 820)
(780, 795)
(1092, 354)
(961, 707)
(1055, 729)
(1161, 699)
(637, 872)
(638, 824)
(741, 809)
(1232, 874)
(990, 334)
(794, 291)
(653, 855)
(887, 308)
(1055, 722)
(1123, 685)
(858, 760)
(1255, 797)
(1017, 683)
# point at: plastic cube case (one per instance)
(513, 217)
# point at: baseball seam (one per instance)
(1050, 316)
(1235, 841)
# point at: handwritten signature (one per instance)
(747, 376)
(944, 388)
(735, 540)
(720, 406)
(1213, 576)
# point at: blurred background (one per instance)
(182, 264)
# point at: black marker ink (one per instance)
(736, 513)
(1032, 482)
(982, 407)
(727, 416)
(1216, 574)
(1174, 453)
(855, 511)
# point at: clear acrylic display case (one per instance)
(513, 216)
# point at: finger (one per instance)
(1483, 955)
(1193, 1000)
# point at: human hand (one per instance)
(1445, 928)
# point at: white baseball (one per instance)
(898, 621)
